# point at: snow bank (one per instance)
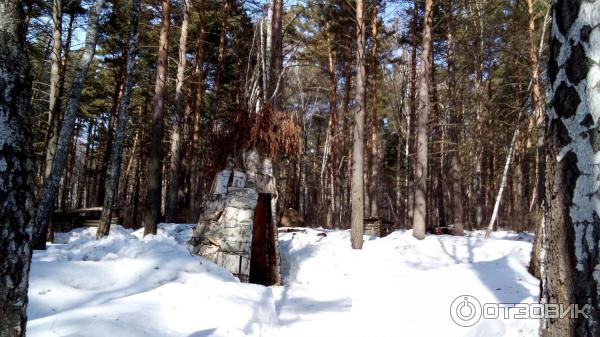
(129, 285)
(400, 286)
(126, 285)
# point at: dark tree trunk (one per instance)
(16, 170)
(155, 178)
(45, 207)
(454, 132)
(108, 144)
(117, 150)
(176, 156)
(571, 233)
(196, 107)
(375, 179)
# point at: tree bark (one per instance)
(410, 177)
(538, 115)
(155, 176)
(571, 251)
(357, 216)
(45, 207)
(197, 106)
(420, 211)
(110, 129)
(16, 170)
(276, 53)
(54, 95)
(117, 146)
(375, 182)
(455, 169)
(503, 180)
(175, 165)
(332, 136)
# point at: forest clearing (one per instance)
(302, 168)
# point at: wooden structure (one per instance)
(237, 228)
(378, 227)
(64, 221)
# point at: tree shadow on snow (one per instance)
(302, 306)
(203, 333)
(502, 277)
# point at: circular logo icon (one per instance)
(465, 310)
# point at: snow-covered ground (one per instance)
(126, 285)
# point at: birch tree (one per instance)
(16, 170)
(117, 150)
(55, 78)
(45, 207)
(571, 248)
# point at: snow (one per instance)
(126, 285)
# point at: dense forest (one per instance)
(440, 116)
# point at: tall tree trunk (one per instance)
(117, 150)
(276, 53)
(155, 176)
(479, 148)
(410, 178)
(375, 183)
(197, 106)
(346, 132)
(45, 207)
(420, 212)
(503, 180)
(221, 55)
(571, 251)
(440, 184)
(108, 143)
(54, 118)
(54, 96)
(332, 136)
(16, 170)
(454, 131)
(175, 165)
(357, 217)
(538, 113)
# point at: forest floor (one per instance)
(129, 286)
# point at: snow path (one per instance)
(125, 285)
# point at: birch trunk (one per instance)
(54, 95)
(45, 207)
(16, 170)
(117, 150)
(571, 252)
(509, 156)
